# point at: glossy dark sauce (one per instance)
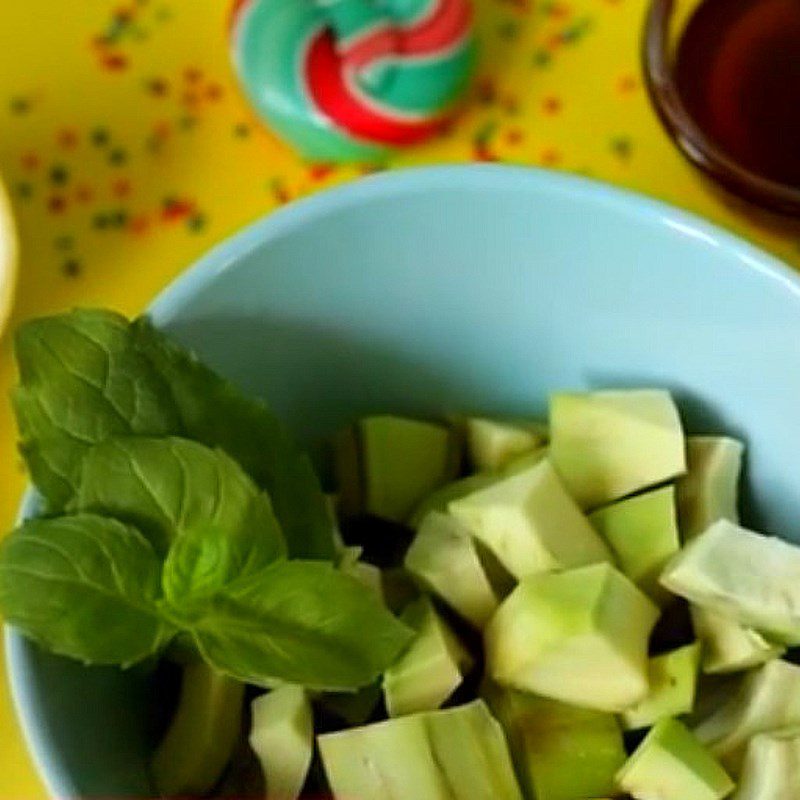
(738, 72)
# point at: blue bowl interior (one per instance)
(469, 288)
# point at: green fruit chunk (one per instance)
(441, 497)
(771, 768)
(471, 749)
(403, 461)
(670, 764)
(609, 444)
(673, 681)
(709, 489)
(560, 751)
(432, 667)
(201, 738)
(491, 444)
(642, 532)
(768, 699)
(752, 578)
(282, 737)
(456, 754)
(444, 560)
(530, 523)
(729, 646)
(579, 636)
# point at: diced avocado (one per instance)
(670, 764)
(456, 754)
(444, 560)
(439, 499)
(729, 646)
(383, 760)
(491, 444)
(709, 489)
(530, 523)
(203, 733)
(282, 736)
(403, 461)
(752, 578)
(609, 444)
(471, 749)
(579, 636)
(642, 532)
(673, 682)
(768, 699)
(560, 751)
(771, 769)
(432, 667)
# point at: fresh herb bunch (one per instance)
(173, 504)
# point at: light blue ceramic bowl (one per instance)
(456, 288)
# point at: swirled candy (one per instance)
(349, 79)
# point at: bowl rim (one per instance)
(174, 297)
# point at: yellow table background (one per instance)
(128, 151)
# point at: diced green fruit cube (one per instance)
(282, 737)
(709, 489)
(673, 681)
(768, 699)
(642, 532)
(579, 636)
(609, 444)
(560, 751)
(439, 499)
(491, 444)
(530, 523)
(729, 646)
(472, 751)
(752, 578)
(771, 769)
(456, 754)
(432, 667)
(377, 761)
(387, 465)
(444, 560)
(670, 764)
(202, 735)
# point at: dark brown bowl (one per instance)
(690, 139)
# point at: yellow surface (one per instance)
(128, 152)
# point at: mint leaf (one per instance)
(169, 487)
(214, 412)
(82, 381)
(85, 587)
(302, 622)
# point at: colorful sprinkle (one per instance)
(30, 161)
(100, 137)
(67, 139)
(117, 156)
(71, 267)
(622, 147)
(57, 204)
(551, 105)
(59, 175)
(19, 105)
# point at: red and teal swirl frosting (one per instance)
(347, 79)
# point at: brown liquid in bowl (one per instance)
(737, 71)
